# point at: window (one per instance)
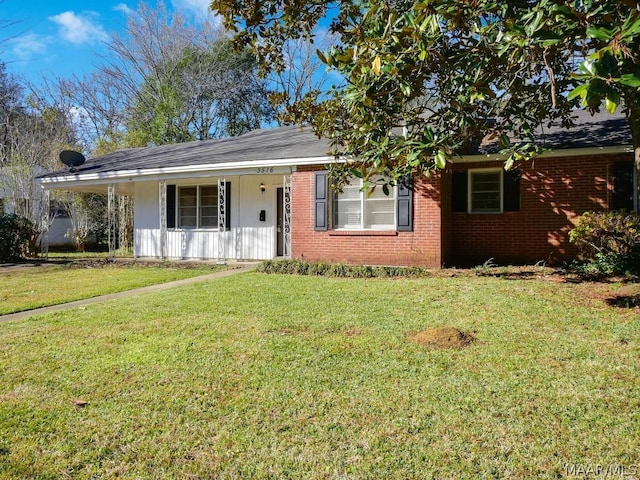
(623, 186)
(353, 209)
(485, 194)
(486, 191)
(198, 207)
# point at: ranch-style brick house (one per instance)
(266, 195)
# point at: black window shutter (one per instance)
(622, 185)
(171, 206)
(227, 205)
(404, 204)
(511, 191)
(459, 191)
(321, 200)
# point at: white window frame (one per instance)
(470, 191)
(364, 198)
(198, 207)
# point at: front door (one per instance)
(280, 222)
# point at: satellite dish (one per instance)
(71, 158)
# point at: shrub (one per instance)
(299, 267)
(15, 234)
(609, 242)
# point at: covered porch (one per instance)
(228, 215)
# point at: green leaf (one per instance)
(588, 67)
(631, 30)
(441, 159)
(508, 164)
(629, 80)
(321, 56)
(599, 33)
(579, 91)
(356, 172)
(611, 101)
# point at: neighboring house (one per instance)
(266, 194)
(18, 198)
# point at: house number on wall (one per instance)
(265, 170)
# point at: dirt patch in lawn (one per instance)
(442, 337)
(627, 296)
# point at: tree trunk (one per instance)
(633, 115)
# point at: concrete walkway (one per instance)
(233, 270)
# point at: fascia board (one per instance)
(562, 153)
(252, 167)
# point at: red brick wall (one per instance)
(422, 246)
(554, 192)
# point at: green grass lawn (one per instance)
(30, 288)
(266, 376)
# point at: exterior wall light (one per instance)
(262, 187)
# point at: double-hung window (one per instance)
(354, 209)
(198, 206)
(483, 190)
(485, 195)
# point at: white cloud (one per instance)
(79, 28)
(199, 9)
(27, 45)
(124, 8)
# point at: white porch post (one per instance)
(222, 218)
(162, 202)
(45, 222)
(111, 219)
(286, 209)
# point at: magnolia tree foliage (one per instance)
(425, 80)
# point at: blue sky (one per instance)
(66, 37)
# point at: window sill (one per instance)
(363, 233)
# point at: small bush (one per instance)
(609, 243)
(299, 267)
(15, 234)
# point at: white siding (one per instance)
(248, 239)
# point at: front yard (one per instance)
(267, 376)
(27, 288)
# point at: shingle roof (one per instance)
(293, 143)
(268, 144)
(600, 130)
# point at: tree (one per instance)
(87, 213)
(605, 37)
(32, 136)
(302, 74)
(10, 95)
(182, 82)
(425, 80)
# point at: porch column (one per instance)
(222, 218)
(111, 219)
(162, 202)
(45, 222)
(286, 208)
